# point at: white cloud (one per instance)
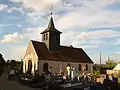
(10, 10)
(117, 52)
(36, 18)
(19, 25)
(118, 41)
(10, 38)
(90, 39)
(98, 34)
(39, 5)
(16, 1)
(33, 33)
(31, 13)
(52, 1)
(34, 30)
(42, 4)
(4, 25)
(81, 18)
(3, 7)
(82, 13)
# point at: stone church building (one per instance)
(50, 55)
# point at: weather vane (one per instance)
(51, 7)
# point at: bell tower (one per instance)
(51, 36)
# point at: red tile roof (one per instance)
(67, 54)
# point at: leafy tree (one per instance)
(96, 67)
(16, 65)
(110, 64)
(13, 64)
(100, 67)
(2, 63)
(97, 74)
(21, 66)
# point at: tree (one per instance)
(110, 64)
(2, 63)
(13, 64)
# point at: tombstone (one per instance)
(11, 75)
(12, 72)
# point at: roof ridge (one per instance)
(70, 46)
(36, 41)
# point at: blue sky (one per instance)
(93, 25)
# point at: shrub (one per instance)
(97, 74)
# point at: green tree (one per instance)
(2, 63)
(13, 64)
(97, 74)
(110, 64)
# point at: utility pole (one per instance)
(100, 58)
(108, 58)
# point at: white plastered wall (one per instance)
(58, 66)
(30, 55)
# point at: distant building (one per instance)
(50, 55)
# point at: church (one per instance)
(50, 55)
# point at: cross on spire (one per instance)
(51, 22)
(51, 7)
(51, 14)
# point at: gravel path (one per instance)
(12, 85)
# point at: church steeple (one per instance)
(51, 23)
(51, 36)
(51, 26)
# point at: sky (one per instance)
(93, 25)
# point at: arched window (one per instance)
(43, 36)
(45, 67)
(29, 67)
(80, 67)
(86, 67)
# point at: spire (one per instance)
(51, 23)
(51, 26)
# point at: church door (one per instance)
(45, 67)
(29, 66)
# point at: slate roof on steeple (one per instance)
(51, 27)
